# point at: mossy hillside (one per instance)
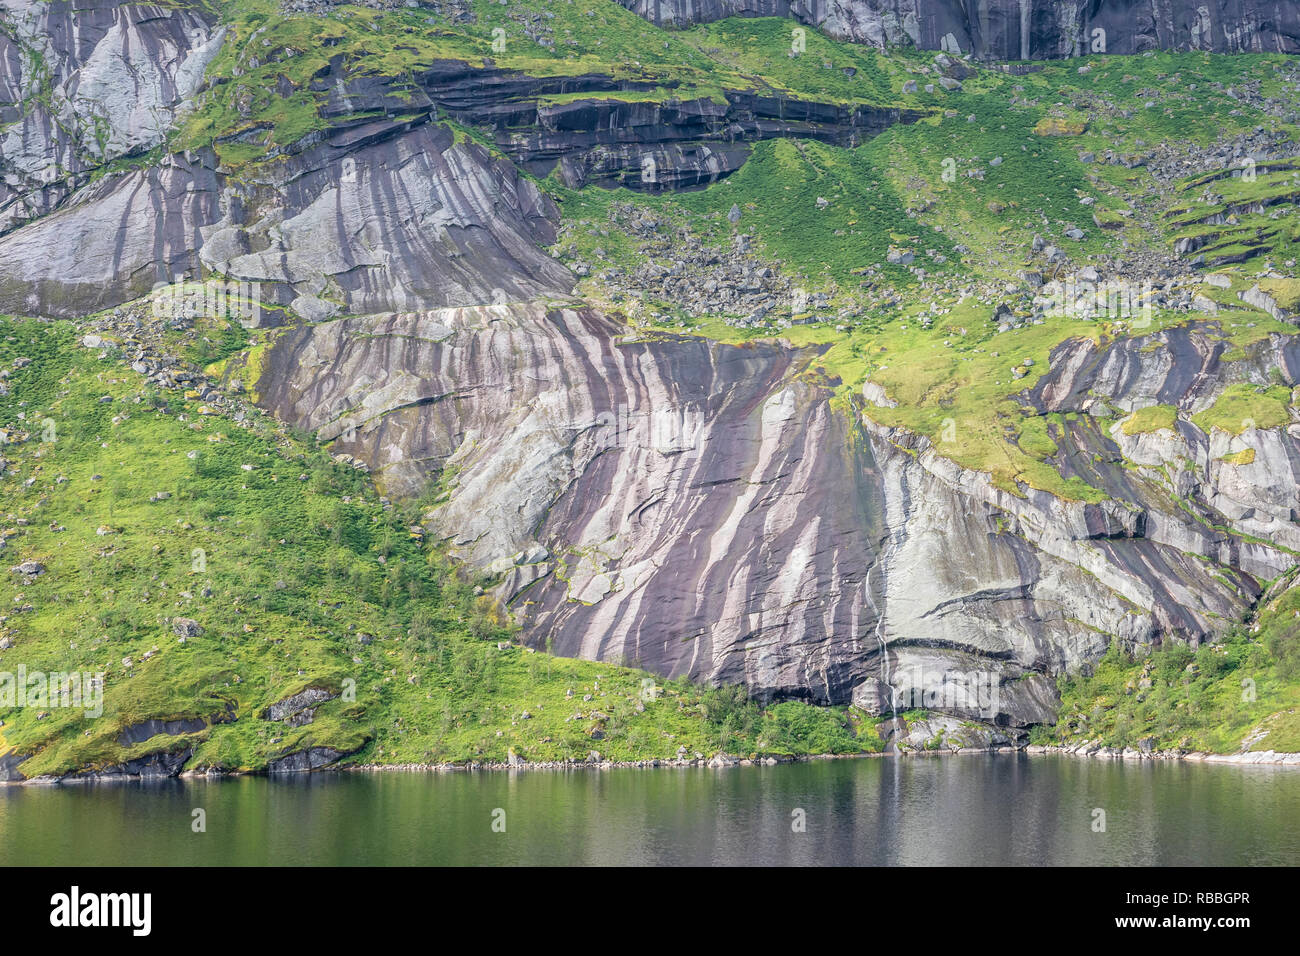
(787, 56)
(1039, 185)
(911, 186)
(827, 245)
(285, 564)
(1153, 418)
(1241, 217)
(908, 187)
(952, 372)
(1241, 407)
(1187, 93)
(1284, 291)
(1239, 693)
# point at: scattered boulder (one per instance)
(186, 627)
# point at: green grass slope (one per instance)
(1239, 694)
(144, 510)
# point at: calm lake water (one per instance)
(959, 810)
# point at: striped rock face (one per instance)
(705, 510)
(694, 507)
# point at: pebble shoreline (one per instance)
(1267, 758)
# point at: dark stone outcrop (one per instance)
(299, 706)
(313, 758)
(140, 732)
(603, 136)
(9, 772)
(164, 763)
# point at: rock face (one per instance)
(696, 507)
(403, 220)
(407, 219)
(85, 83)
(381, 210)
(1018, 29)
(699, 509)
(110, 242)
(704, 510)
(603, 133)
(1186, 368)
(384, 214)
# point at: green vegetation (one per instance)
(1238, 694)
(1240, 407)
(1150, 419)
(259, 103)
(299, 555)
(144, 510)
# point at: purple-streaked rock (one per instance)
(85, 83)
(707, 510)
(694, 507)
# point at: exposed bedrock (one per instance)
(1247, 482)
(111, 242)
(1018, 29)
(85, 82)
(382, 210)
(706, 510)
(694, 507)
(378, 216)
(600, 134)
(387, 218)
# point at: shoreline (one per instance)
(1250, 758)
(1091, 749)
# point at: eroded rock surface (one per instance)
(706, 510)
(82, 83)
(406, 219)
(693, 506)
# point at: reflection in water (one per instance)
(963, 810)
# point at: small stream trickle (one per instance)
(890, 746)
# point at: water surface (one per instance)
(955, 810)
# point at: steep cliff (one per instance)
(380, 217)
(1018, 29)
(707, 510)
(695, 508)
(82, 84)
